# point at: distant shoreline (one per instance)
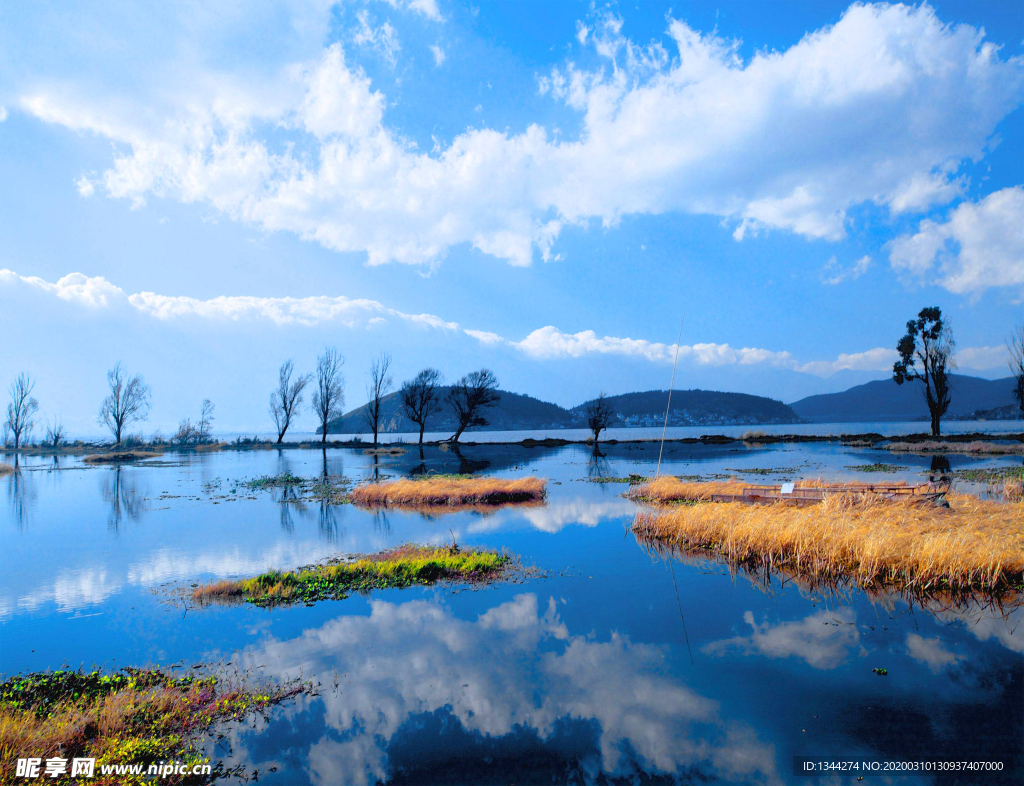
(866, 439)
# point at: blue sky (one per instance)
(203, 190)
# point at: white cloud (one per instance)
(980, 245)
(833, 273)
(882, 107)
(439, 55)
(546, 343)
(97, 292)
(515, 666)
(982, 357)
(877, 359)
(428, 8)
(931, 652)
(824, 640)
(3, 113)
(383, 39)
(85, 187)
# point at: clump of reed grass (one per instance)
(452, 491)
(119, 455)
(134, 716)
(5, 469)
(1013, 490)
(389, 450)
(864, 539)
(977, 447)
(405, 566)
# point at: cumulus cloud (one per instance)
(787, 140)
(439, 55)
(980, 245)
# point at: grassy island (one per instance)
(436, 491)
(866, 539)
(133, 716)
(405, 566)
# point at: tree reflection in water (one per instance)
(119, 487)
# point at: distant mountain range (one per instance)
(516, 411)
(884, 400)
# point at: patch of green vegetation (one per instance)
(764, 470)
(989, 474)
(133, 716)
(265, 482)
(880, 672)
(406, 566)
(876, 467)
(631, 479)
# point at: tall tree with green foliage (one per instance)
(926, 354)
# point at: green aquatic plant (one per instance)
(405, 566)
(132, 716)
(876, 467)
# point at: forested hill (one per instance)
(519, 412)
(884, 400)
(695, 408)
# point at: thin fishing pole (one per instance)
(679, 603)
(668, 406)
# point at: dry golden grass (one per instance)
(392, 450)
(974, 545)
(1013, 490)
(671, 489)
(5, 469)
(974, 448)
(449, 491)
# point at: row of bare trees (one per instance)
(926, 354)
(419, 398)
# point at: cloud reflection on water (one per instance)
(516, 666)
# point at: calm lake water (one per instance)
(885, 428)
(614, 666)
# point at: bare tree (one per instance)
(55, 434)
(599, 414)
(420, 398)
(205, 421)
(286, 401)
(127, 402)
(468, 398)
(20, 411)
(329, 396)
(926, 354)
(381, 383)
